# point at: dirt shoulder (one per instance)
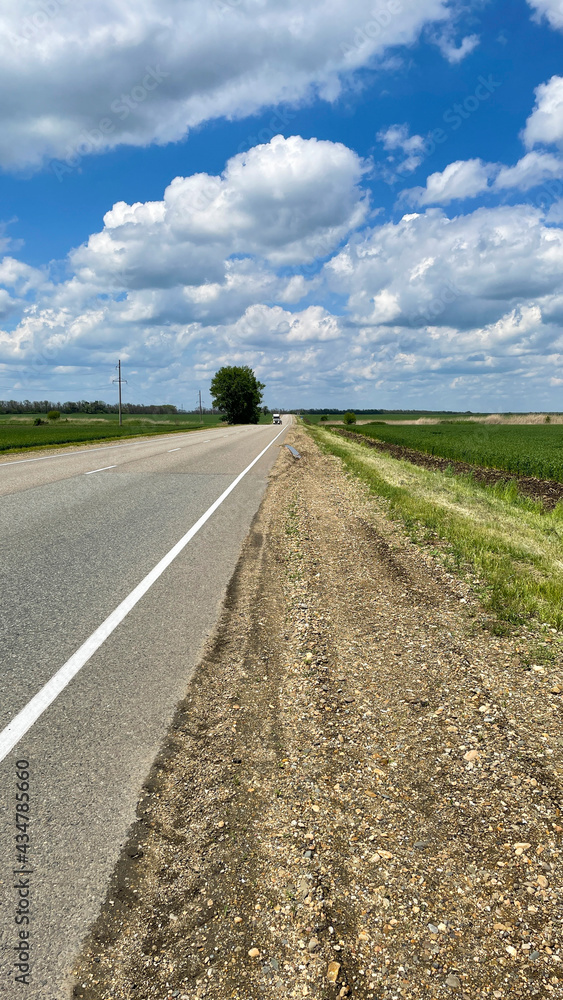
(547, 491)
(360, 794)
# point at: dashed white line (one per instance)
(25, 719)
(170, 450)
(105, 468)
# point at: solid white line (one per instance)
(25, 719)
(173, 449)
(105, 468)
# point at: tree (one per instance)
(349, 418)
(54, 415)
(237, 392)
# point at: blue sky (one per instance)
(363, 201)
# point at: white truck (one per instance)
(276, 418)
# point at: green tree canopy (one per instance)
(237, 392)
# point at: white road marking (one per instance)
(105, 468)
(25, 719)
(173, 449)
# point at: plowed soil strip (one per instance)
(360, 794)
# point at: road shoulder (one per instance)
(356, 797)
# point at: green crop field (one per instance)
(521, 449)
(19, 431)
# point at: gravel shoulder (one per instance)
(360, 794)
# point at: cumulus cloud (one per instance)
(287, 202)
(552, 10)
(456, 273)
(533, 169)
(545, 124)
(418, 304)
(459, 180)
(82, 77)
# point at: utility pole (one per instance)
(119, 380)
(200, 409)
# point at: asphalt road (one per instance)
(75, 543)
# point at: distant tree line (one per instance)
(328, 409)
(82, 406)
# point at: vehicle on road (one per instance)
(276, 418)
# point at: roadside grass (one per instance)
(507, 541)
(18, 433)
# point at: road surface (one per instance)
(79, 532)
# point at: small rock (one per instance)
(254, 953)
(210, 902)
(511, 950)
(471, 755)
(421, 844)
(238, 920)
(333, 971)
(542, 881)
(433, 929)
(453, 982)
(534, 955)
(314, 943)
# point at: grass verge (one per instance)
(508, 542)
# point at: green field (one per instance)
(521, 449)
(19, 432)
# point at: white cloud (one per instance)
(396, 137)
(459, 180)
(552, 10)
(455, 53)
(459, 273)
(81, 77)
(474, 301)
(289, 202)
(533, 169)
(545, 124)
